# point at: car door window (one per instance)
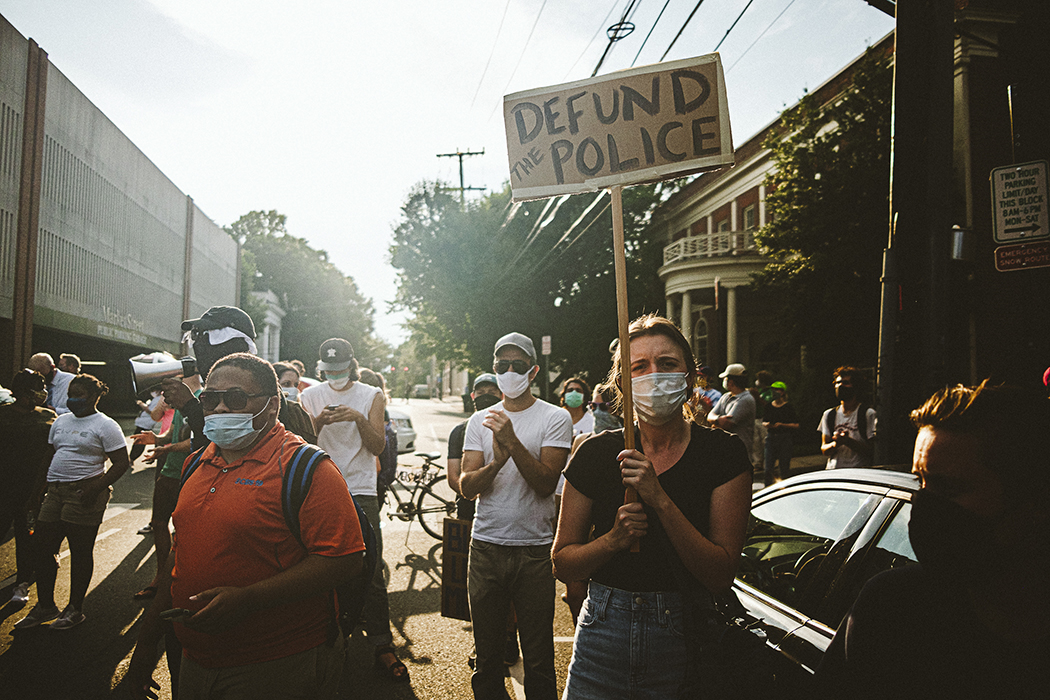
(789, 536)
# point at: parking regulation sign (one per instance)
(1019, 202)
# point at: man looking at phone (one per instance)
(348, 420)
(250, 600)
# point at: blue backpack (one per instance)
(295, 485)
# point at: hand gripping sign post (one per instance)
(636, 126)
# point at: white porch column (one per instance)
(670, 306)
(731, 343)
(686, 320)
(761, 205)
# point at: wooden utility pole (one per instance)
(461, 155)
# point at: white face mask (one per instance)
(513, 385)
(658, 396)
(290, 392)
(337, 380)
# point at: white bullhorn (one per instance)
(148, 374)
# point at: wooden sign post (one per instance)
(635, 126)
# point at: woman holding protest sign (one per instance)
(694, 486)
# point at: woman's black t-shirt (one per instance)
(712, 458)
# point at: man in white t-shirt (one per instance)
(57, 381)
(842, 440)
(348, 419)
(513, 455)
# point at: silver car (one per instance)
(406, 434)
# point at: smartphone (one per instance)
(175, 613)
(331, 407)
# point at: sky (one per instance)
(330, 111)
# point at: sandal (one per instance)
(146, 593)
(395, 670)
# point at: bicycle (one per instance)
(430, 498)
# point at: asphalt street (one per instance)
(90, 660)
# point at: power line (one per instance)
(687, 21)
(523, 49)
(768, 27)
(734, 23)
(601, 25)
(646, 40)
(493, 51)
(616, 32)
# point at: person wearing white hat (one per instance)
(735, 411)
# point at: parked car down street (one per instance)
(406, 434)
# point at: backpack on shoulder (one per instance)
(295, 485)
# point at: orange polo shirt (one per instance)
(230, 531)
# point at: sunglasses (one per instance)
(598, 405)
(519, 366)
(235, 399)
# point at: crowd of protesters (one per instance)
(533, 477)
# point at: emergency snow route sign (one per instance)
(1019, 202)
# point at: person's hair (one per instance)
(372, 378)
(1010, 424)
(70, 356)
(299, 366)
(261, 370)
(654, 324)
(355, 371)
(764, 377)
(280, 368)
(580, 381)
(27, 380)
(850, 373)
(93, 385)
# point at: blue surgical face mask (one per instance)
(232, 431)
(80, 407)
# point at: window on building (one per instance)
(722, 225)
(750, 217)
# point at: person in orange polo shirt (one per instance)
(257, 604)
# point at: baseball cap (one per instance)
(522, 342)
(335, 355)
(486, 378)
(734, 370)
(222, 317)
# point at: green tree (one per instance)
(828, 201)
(319, 300)
(470, 274)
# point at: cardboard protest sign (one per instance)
(640, 125)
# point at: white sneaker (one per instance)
(20, 595)
(146, 529)
(38, 615)
(70, 617)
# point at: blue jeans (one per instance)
(498, 576)
(778, 449)
(628, 645)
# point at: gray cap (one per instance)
(487, 378)
(523, 342)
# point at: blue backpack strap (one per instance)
(297, 478)
(188, 469)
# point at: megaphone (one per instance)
(145, 375)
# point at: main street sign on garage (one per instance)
(1019, 202)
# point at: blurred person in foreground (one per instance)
(24, 458)
(972, 618)
(253, 604)
(694, 486)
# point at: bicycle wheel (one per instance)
(436, 502)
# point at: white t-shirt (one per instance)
(511, 513)
(844, 457)
(584, 426)
(81, 445)
(342, 441)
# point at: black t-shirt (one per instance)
(780, 414)
(712, 458)
(906, 637)
(455, 441)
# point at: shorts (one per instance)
(62, 503)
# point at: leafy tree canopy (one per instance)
(828, 201)
(320, 301)
(470, 274)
